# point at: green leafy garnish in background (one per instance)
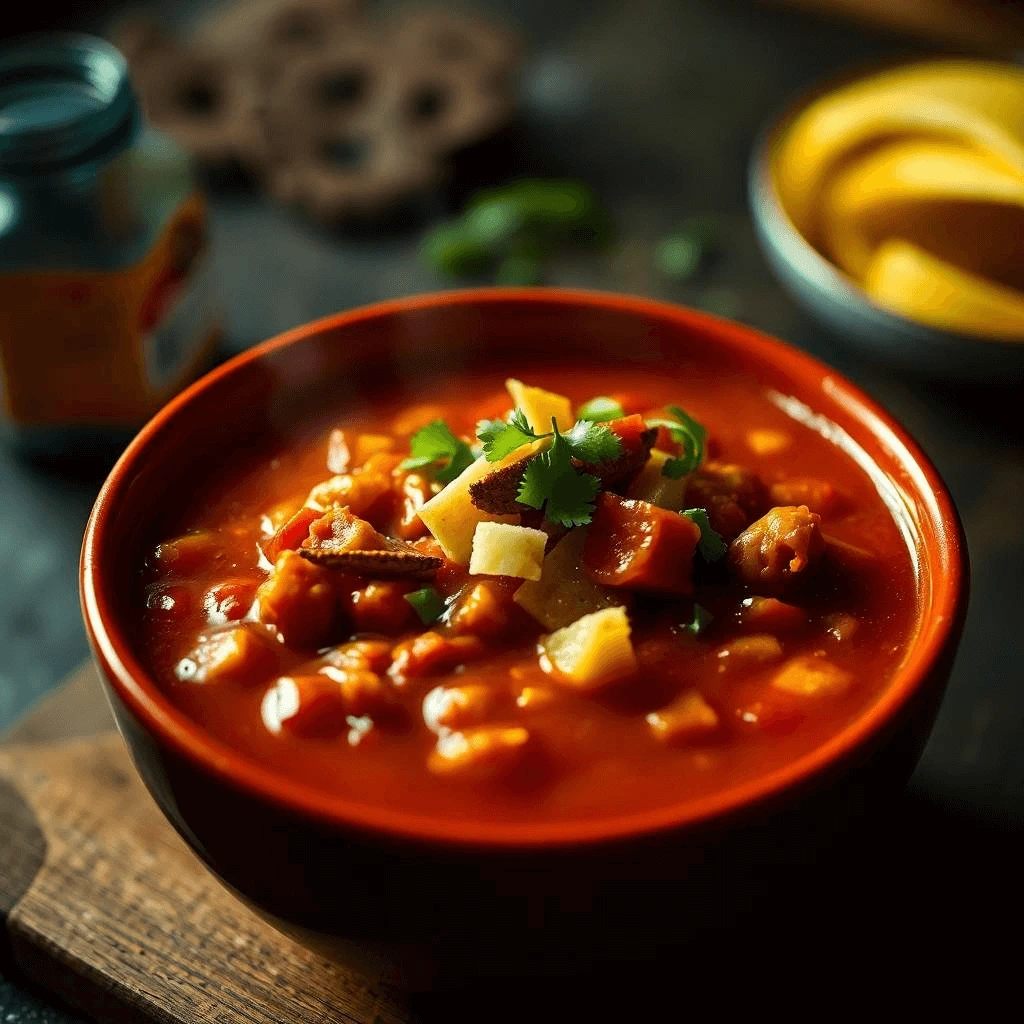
(702, 618)
(514, 230)
(586, 441)
(682, 254)
(550, 482)
(600, 410)
(427, 603)
(437, 447)
(711, 546)
(687, 433)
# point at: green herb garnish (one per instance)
(586, 441)
(702, 618)
(427, 603)
(435, 445)
(688, 433)
(681, 255)
(601, 410)
(550, 482)
(711, 546)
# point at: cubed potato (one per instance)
(811, 676)
(504, 549)
(766, 441)
(591, 651)
(452, 517)
(244, 654)
(482, 754)
(688, 719)
(564, 591)
(539, 406)
(653, 486)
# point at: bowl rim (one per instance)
(138, 691)
(774, 221)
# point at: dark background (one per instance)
(657, 104)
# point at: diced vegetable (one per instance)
(653, 486)
(732, 495)
(371, 655)
(600, 410)
(427, 603)
(842, 626)
(639, 546)
(320, 704)
(811, 676)
(228, 602)
(540, 406)
(451, 515)
(818, 495)
(771, 614)
(481, 754)
(368, 445)
(700, 622)
(189, 552)
(503, 549)
(564, 591)
(291, 534)
(381, 607)
(593, 650)
(688, 719)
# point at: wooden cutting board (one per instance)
(103, 906)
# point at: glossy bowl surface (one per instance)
(836, 300)
(285, 846)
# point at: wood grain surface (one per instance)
(103, 905)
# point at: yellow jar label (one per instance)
(108, 347)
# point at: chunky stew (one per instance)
(585, 595)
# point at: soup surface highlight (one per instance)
(649, 606)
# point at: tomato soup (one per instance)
(567, 595)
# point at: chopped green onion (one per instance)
(600, 410)
(427, 603)
(702, 618)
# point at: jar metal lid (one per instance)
(64, 100)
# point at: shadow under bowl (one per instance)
(430, 902)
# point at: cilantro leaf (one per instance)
(600, 410)
(427, 603)
(435, 445)
(710, 545)
(589, 442)
(500, 438)
(702, 618)
(551, 483)
(688, 433)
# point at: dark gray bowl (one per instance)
(840, 305)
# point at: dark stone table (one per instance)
(657, 104)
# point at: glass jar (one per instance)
(105, 300)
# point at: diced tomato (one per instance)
(292, 534)
(639, 546)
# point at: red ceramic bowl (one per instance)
(500, 895)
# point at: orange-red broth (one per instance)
(599, 755)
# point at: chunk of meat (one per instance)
(364, 692)
(483, 754)
(483, 609)
(688, 719)
(433, 654)
(291, 534)
(636, 545)
(300, 600)
(339, 456)
(243, 654)
(320, 704)
(365, 492)
(229, 601)
(818, 495)
(812, 676)
(782, 548)
(338, 530)
(732, 495)
(769, 614)
(414, 490)
(458, 707)
(381, 607)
